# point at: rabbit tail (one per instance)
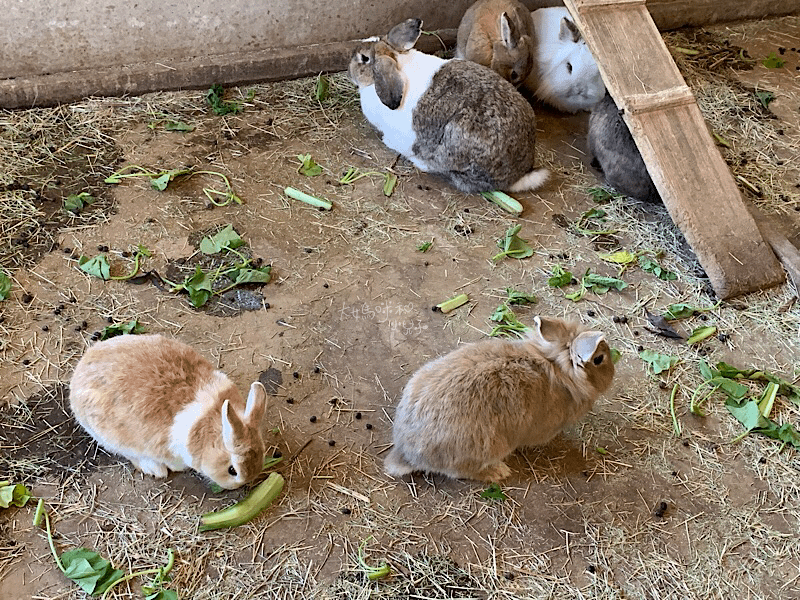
(531, 181)
(396, 465)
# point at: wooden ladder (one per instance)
(690, 174)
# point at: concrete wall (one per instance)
(58, 50)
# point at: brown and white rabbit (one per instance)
(453, 118)
(615, 153)
(158, 403)
(498, 34)
(464, 413)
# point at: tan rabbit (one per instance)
(464, 413)
(498, 34)
(161, 405)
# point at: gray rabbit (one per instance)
(464, 413)
(453, 118)
(615, 153)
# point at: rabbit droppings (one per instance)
(158, 403)
(564, 74)
(614, 152)
(498, 34)
(453, 118)
(464, 413)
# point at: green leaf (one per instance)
(162, 595)
(600, 284)
(494, 492)
(648, 265)
(601, 450)
(785, 388)
(615, 355)
(389, 184)
(517, 297)
(764, 97)
(576, 296)
(130, 328)
(75, 203)
(773, 61)
(424, 246)
(618, 258)
(658, 362)
(786, 433)
(13, 495)
(5, 286)
(594, 213)
(322, 89)
(307, 166)
(225, 239)
(246, 275)
(218, 105)
(601, 195)
(89, 570)
(679, 311)
(559, 277)
(199, 287)
(161, 181)
(508, 322)
(178, 126)
(97, 266)
(512, 245)
(747, 413)
(701, 333)
(705, 370)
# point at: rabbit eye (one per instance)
(514, 75)
(231, 471)
(598, 360)
(569, 68)
(363, 59)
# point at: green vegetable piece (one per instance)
(747, 413)
(13, 495)
(700, 334)
(178, 126)
(424, 246)
(372, 573)
(5, 286)
(508, 322)
(618, 258)
(161, 181)
(517, 297)
(89, 570)
(594, 213)
(75, 203)
(679, 311)
(615, 355)
(39, 514)
(676, 425)
(494, 492)
(218, 105)
(601, 195)
(259, 275)
(322, 89)
(767, 400)
(225, 239)
(773, 61)
(97, 266)
(307, 198)
(307, 166)
(764, 97)
(648, 265)
(658, 362)
(512, 245)
(243, 512)
(389, 184)
(199, 287)
(130, 328)
(453, 303)
(601, 450)
(600, 284)
(504, 201)
(560, 277)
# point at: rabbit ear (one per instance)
(585, 345)
(569, 31)
(403, 36)
(232, 426)
(256, 403)
(389, 84)
(547, 330)
(507, 32)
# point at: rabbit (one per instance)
(565, 74)
(453, 118)
(462, 414)
(498, 34)
(158, 403)
(615, 153)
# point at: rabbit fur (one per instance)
(498, 34)
(565, 74)
(615, 153)
(462, 414)
(158, 403)
(453, 118)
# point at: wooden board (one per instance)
(690, 174)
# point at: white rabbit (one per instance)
(565, 74)
(453, 118)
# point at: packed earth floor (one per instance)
(660, 492)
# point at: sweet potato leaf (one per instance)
(308, 167)
(600, 284)
(178, 126)
(559, 277)
(218, 105)
(5, 286)
(130, 328)
(773, 61)
(75, 203)
(508, 324)
(494, 492)
(225, 239)
(517, 297)
(623, 257)
(199, 287)
(13, 494)
(97, 266)
(658, 362)
(246, 275)
(648, 265)
(89, 570)
(512, 245)
(424, 246)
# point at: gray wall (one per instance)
(57, 50)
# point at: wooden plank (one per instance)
(687, 169)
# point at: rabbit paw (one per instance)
(495, 472)
(151, 467)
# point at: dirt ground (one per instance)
(620, 506)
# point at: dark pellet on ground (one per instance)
(660, 509)
(96, 336)
(686, 443)
(509, 575)
(325, 285)
(67, 250)
(84, 324)
(674, 473)
(266, 304)
(45, 328)
(639, 348)
(313, 418)
(723, 337)
(358, 415)
(27, 361)
(762, 460)
(369, 425)
(57, 310)
(331, 442)
(704, 317)
(615, 318)
(78, 328)
(277, 454)
(435, 308)
(346, 511)
(590, 313)
(662, 385)
(316, 369)
(290, 401)
(333, 401)
(109, 319)
(308, 250)
(27, 298)
(296, 375)
(591, 569)
(623, 319)
(426, 263)
(102, 248)
(126, 254)
(782, 50)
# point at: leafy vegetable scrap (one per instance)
(372, 573)
(219, 106)
(75, 203)
(658, 362)
(13, 494)
(512, 245)
(160, 180)
(5, 286)
(599, 284)
(494, 492)
(308, 167)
